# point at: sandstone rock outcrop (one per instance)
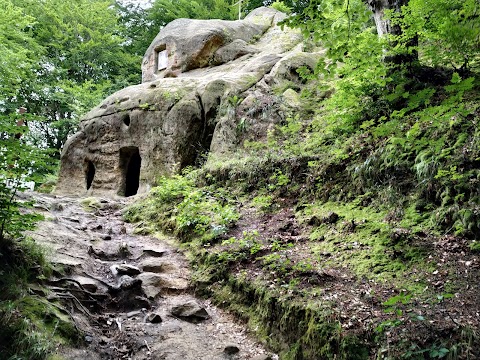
(203, 81)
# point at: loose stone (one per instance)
(190, 310)
(153, 318)
(125, 269)
(262, 357)
(231, 349)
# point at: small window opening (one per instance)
(126, 120)
(130, 165)
(161, 58)
(89, 173)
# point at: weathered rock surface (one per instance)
(154, 251)
(87, 283)
(192, 44)
(153, 284)
(202, 81)
(157, 266)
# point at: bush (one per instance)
(176, 205)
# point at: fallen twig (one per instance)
(148, 347)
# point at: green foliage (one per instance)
(278, 180)
(19, 163)
(277, 262)
(344, 29)
(475, 246)
(263, 202)
(22, 334)
(18, 51)
(286, 6)
(24, 339)
(164, 11)
(447, 31)
(31, 328)
(177, 205)
(248, 243)
(398, 130)
(402, 314)
(362, 240)
(77, 59)
(281, 6)
(23, 262)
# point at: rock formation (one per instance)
(203, 81)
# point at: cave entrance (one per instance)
(89, 173)
(130, 164)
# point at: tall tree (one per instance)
(18, 51)
(448, 31)
(383, 23)
(441, 32)
(18, 159)
(84, 59)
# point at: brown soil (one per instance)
(445, 314)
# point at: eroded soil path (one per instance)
(129, 294)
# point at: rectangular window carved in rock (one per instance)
(162, 60)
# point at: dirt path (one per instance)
(129, 293)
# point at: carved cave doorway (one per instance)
(89, 173)
(130, 164)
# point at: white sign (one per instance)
(162, 60)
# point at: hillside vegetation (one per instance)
(349, 231)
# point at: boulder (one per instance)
(190, 311)
(192, 72)
(286, 69)
(186, 44)
(126, 283)
(154, 251)
(291, 98)
(154, 284)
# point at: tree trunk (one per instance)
(378, 7)
(384, 27)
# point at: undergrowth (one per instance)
(30, 326)
(177, 206)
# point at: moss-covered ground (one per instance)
(30, 325)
